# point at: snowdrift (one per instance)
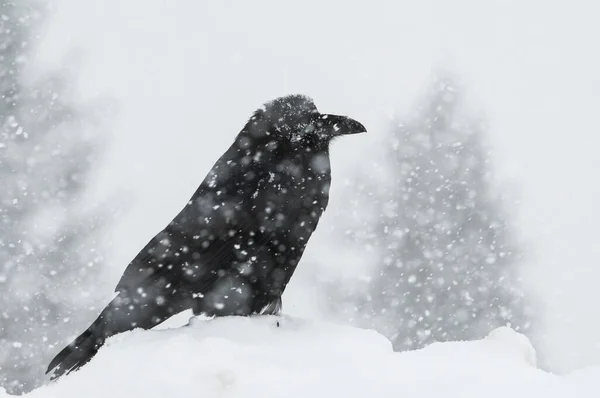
(253, 357)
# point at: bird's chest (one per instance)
(293, 192)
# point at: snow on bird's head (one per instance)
(288, 113)
(295, 119)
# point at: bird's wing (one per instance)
(149, 264)
(206, 232)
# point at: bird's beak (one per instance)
(341, 125)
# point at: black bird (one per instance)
(234, 247)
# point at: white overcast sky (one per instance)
(188, 73)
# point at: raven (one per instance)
(235, 245)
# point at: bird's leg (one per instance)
(269, 306)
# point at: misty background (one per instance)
(488, 108)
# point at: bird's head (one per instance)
(295, 118)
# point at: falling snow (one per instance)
(418, 243)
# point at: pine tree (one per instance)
(46, 148)
(445, 258)
(447, 254)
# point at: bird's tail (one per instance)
(112, 320)
(117, 317)
(80, 351)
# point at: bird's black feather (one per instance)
(235, 245)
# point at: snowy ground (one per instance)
(252, 357)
